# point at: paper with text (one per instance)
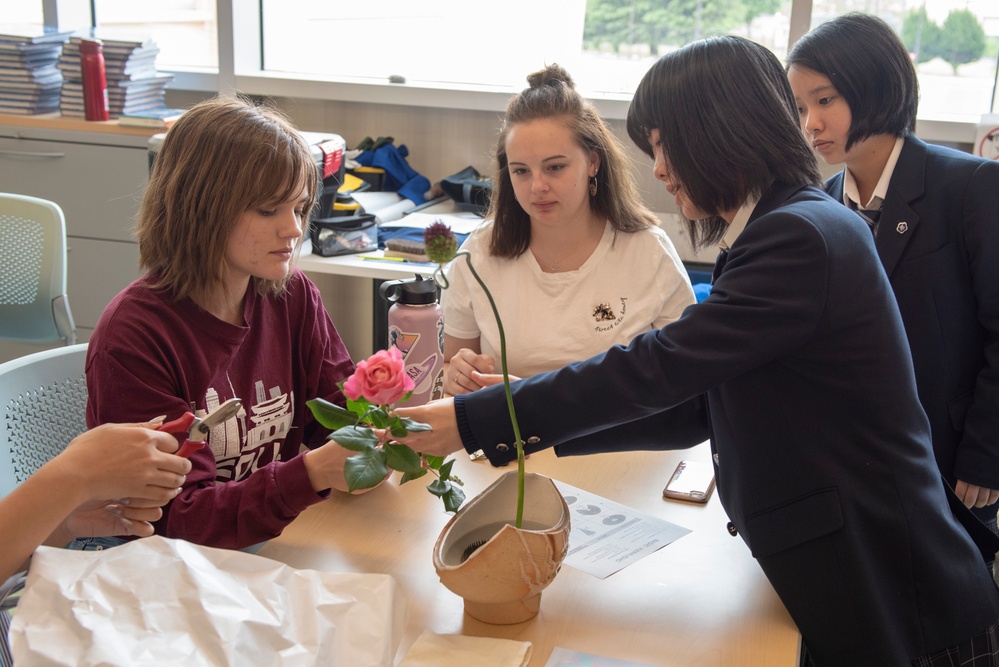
(606, 536)
(460, 223)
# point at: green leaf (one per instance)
(446, 469)
(444, 489)
(379, 418)
(439, 487)
(355, 438)
(453, 499)
(402, 458)
(410, 476)
(330, 415)
(365, 470)
(358, 407)
(412, 426)
(434, 462)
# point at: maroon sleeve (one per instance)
(233, 515)
(325, 359)
(149, 358)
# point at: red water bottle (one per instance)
(95, 83)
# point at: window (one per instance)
(23, 14)
(447, 41)
(609, 44)
(954, 44)
(320, 48)
(184, 30)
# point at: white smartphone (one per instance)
(692, 481)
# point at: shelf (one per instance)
(54, 121)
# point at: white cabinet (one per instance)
(98, 270)
(97, 176)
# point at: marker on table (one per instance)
(376, 258)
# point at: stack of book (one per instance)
(30, 82)
(157, 119)
(134, 84)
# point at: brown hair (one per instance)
(552, 94)
(223, 157)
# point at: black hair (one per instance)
(867, 63)
(728, 126)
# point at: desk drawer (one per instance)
(98, 187)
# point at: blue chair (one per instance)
(43, 405)
(33, 303)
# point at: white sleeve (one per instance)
(674, 283)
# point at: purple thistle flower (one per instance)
(440, 242)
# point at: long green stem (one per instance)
(506, 386)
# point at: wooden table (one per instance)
(700, 601)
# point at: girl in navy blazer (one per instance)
(935, 215)
(797, 369)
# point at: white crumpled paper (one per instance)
(158, 601)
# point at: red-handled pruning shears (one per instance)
(192, 431)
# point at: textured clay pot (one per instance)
(501, 580)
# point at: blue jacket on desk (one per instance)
(938, 239)
(796, 368)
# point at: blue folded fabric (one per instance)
(701, 291)
(399, 176)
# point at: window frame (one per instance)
(240, 32)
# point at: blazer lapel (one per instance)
(898, 220)
(834, 187)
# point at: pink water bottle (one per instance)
(416, 327)
(95, 84)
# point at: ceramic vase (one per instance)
(501, 580)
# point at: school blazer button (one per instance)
(731, 529)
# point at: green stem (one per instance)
(506, 386)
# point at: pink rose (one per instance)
(381, 379)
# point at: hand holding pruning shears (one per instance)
(192, 431)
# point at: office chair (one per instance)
(33, 303)
(43, 404)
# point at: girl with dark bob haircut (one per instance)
(933, 212)
(796, 367)
(871, 68)
(733, 151)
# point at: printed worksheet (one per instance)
(606, 536)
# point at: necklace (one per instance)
(555, 265)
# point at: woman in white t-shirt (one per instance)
(574, 260)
